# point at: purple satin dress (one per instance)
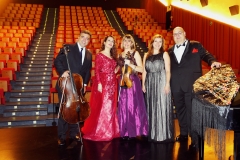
(132, 115)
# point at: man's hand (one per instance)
(65, 74)
(216, 64)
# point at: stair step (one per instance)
(28, 121)
(26, 98)
(30, 92)
(32, 73)
(32, 82)
(40, 49)
(35, 77)
(32, 87)
(19, 121)
(39, 77)
(47, 40)
(26, 103)
(25, 112)
(25, 106)
(38, 62)
(37, 69)
(37, 125)
(39, 55)
(37, 59)
(46, 52)
(44, 37)
(36, 65)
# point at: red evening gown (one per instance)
(102, 124)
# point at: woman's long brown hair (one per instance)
(113, 51)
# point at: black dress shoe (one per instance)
(182, 138)
(124, 138)
(61, 142)
(77, 138)
(131, 138)
(193, 147)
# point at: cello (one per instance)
(73, 106)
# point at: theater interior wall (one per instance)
(218, 38)
(3, 5)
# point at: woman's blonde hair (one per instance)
(128, 36)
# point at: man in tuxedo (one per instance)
(186, 67)
(80, 61)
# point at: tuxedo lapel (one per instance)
(172, 54)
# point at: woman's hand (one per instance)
(167, 89)
(143, 88)
(127, 61)
(100, 87)
(116, 69)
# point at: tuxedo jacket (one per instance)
(184, 74)
(73, 55)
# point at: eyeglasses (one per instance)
(177, 34)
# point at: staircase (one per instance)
(28, 102)
(117, 23)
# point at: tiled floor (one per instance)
(40, 143)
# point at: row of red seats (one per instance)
(82, 8)
(20, 5)
(22, 15)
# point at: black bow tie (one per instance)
(181, 45)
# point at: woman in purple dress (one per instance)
(132, 113)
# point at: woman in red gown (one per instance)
(102, 124)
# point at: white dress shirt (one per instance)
(179, 51)
(83, 52)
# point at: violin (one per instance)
(73, 107)
(126, 82)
